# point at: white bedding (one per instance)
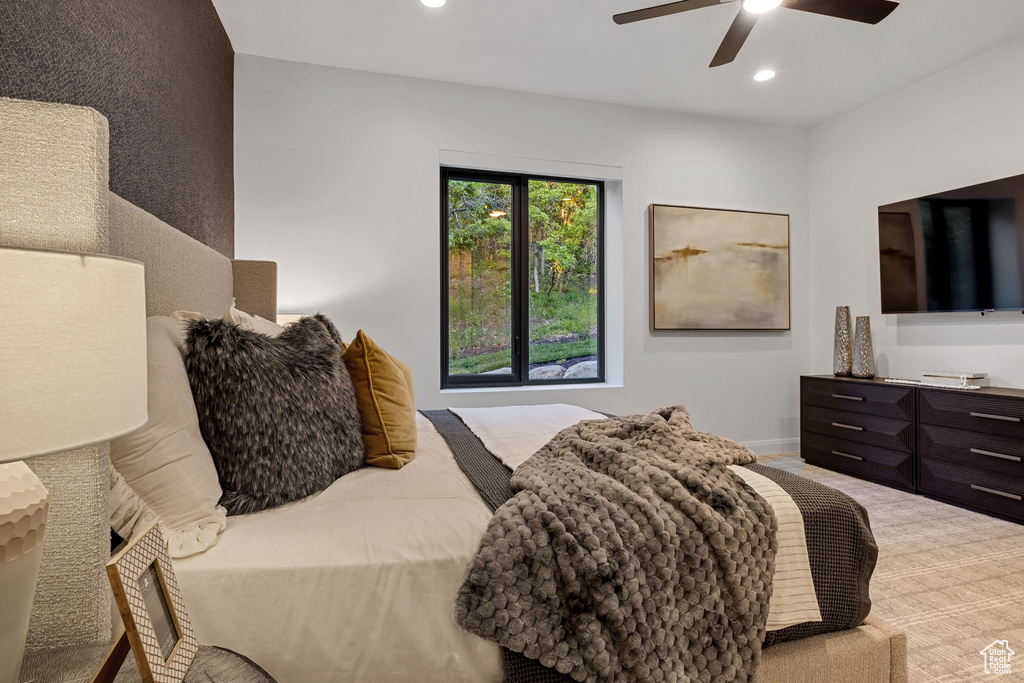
(357, 583)
(514, 433)
(793, 600)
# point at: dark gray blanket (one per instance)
(630, 552)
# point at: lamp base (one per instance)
(23, 506)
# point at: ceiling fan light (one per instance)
(765, 75)
(433, 3)
(759, 6)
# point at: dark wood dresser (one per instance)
(860, 427)
(960, 447)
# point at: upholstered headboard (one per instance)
(183, 274)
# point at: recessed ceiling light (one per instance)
(765, 75)
(497, 213)
(759, 6)
(438, 3)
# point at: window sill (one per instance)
(541, 387)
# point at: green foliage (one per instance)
(571, 313)
(563, 224)
(478, 300)
(539, 353)
(562, 267)
(470, 223)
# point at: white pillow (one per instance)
(129, 514)
(166, 462)
(252, 323)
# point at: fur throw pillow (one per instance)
(279, 414)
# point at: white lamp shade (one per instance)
(72, 350)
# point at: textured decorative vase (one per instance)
(842, 355)
(863, 354)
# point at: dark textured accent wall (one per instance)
(162, 72)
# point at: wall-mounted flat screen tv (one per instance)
(961, 250)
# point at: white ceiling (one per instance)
(572, 48)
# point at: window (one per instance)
(522, 279)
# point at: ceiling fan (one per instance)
(865, 11)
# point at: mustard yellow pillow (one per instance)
(385, 397)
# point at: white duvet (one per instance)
(353, 585)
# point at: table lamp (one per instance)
(72, 374)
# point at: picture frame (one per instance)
(718, 269)
(155, 620)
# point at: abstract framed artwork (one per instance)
(718, 269)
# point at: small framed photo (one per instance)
(155, 620)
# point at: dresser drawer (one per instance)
(896, 402)
(897, 435)
(893, 468)
(978, 489)
(977, 412)
(994, 453)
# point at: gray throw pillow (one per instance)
(279, 414)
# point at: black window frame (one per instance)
(519, 376)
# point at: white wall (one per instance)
(336, 177)
(959, 127)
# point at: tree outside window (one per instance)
(522, 280)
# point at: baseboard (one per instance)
(773, 446)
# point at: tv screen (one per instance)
(954, 251)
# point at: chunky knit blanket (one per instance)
(630, 552)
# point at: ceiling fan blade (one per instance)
(866, 11)
(735, 37)
(664, 10)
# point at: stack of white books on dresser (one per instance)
(950, 378)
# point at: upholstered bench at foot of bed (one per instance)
(874, 652)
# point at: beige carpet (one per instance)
(952, 579)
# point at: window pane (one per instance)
(479, 278)
(563, 279)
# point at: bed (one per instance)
(357, 582)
